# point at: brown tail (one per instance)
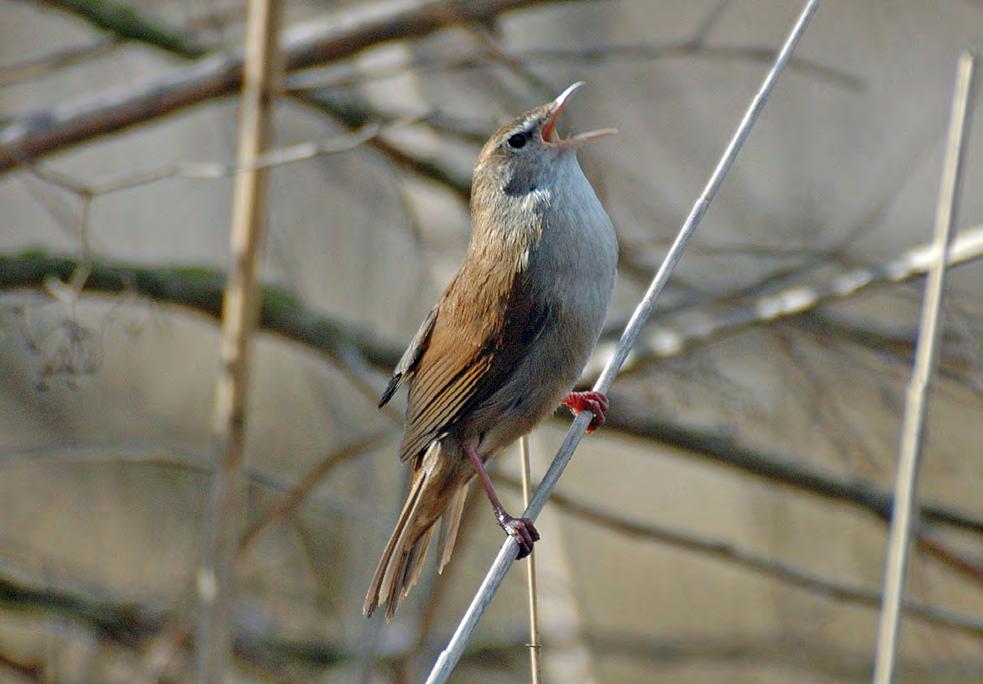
(435, 493)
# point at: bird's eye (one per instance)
(518, 140)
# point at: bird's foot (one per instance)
(520, 529)
(595, 402)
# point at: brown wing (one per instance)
(407, 364)
(484, 325)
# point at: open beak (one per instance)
(551, 137)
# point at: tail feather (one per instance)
(415, 561)
(384, 585)
(449, 523)
(435, 484)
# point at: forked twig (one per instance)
(904, 518)
(449, 657)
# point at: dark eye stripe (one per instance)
(517, 140)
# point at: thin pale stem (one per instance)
(905, 514)
(240, 314)
(535, 666)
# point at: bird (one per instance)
(506, 341)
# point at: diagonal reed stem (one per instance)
(904, 518)
(449, 657)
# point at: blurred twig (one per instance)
(33, 672)
(177, 630)
(315, 476)
(594, 54)
(32, 68)
(827, 415)
(88, 190)
(773, 568)
(643, 51)
(726, 448)
(126, 625)
(334, 36)
(904, 520)
(213, 170)
(896, 345)
(663, 341)
(240, 314)
(122, 20)
(200, 289)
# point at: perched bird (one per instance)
(506, 341)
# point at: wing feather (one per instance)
(423, 426)
(407, 363)
(475, 343)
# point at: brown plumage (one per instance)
(506, 340)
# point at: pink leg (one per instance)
(595, 402)
(520, 529)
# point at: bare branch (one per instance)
(214, 170)
(298, 494)
(200, 288)
(591, 55)
(334, 36)
(197, 170)
(174, 630)
(761, 55)
(128, 626)
(36, 66)
(725, 448)
(958, 367)
(667, 341)
(786, 573)
(125, 22)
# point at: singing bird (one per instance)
(506, 341)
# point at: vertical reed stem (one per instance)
(904, 515)
(534, 645)
(240, 311)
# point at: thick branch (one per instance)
(335, 36)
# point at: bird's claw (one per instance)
(595, 402)
(522, 530)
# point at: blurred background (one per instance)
(728, 525)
